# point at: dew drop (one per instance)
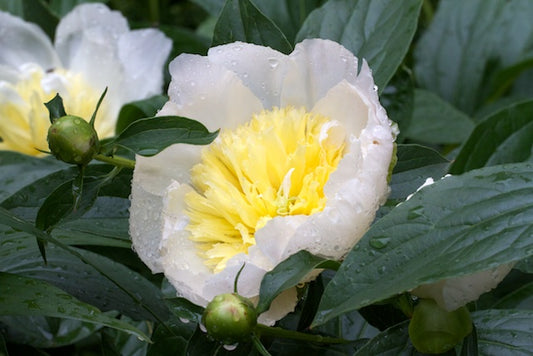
(375, 88)
(273, 62)
(192, 83)
(344, 59)
(379, 242)
(184, 320)
(234, 63)
(231, 347)
(202, 327)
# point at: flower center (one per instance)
(274, 165)
(24, 120)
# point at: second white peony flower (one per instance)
(300, 163)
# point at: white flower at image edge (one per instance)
(453, 293)
(300, 163)
(94, 48)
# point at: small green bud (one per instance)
(434, 330)
(230, 318)
(73, 140)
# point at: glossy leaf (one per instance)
(521, 298)
(393, 341)
(415, 164)
(467, 42)
(504, 137)
(18, 170)
(288, 274)
(436, 121)
(504, 332)
(28, 296)
(468, 223)
(138, 110)
(241, 20)
(150, 136)
(130, 293)
(46, 332)
(378, 31)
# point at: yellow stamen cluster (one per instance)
(24, 121)
(275, 165)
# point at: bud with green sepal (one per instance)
(230, 318)
(71, 139)
(434, 330)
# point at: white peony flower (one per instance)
(301, 163)
(93, 49)
(453, 293)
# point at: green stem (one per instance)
(295, 335)
(116, 161)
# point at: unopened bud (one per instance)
(230, 318)
(434, 330)
(73, 140)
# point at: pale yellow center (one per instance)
(275, 165)
(24, 120)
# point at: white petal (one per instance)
(315, 67)
(209, 93)
(23, 42)
(261, 69)
(87, 42)
(453, 293)
(143, 54)
(151, 178)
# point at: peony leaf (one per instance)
(19, 255)
(415, 164)
(28, 296)
(504, 137)
(468, 42)
(468, 223)
(436, 121)
(150, 136)
(504, 332)
(520, 298)
(138, 110)
(241, 20)
(378, 31)
(287, 274)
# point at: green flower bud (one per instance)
(73, 140)
(434, 330)
(230, 318)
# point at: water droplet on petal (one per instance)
(375, 88)
(273, 62)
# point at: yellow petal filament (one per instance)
(24, 120)
(274, 165)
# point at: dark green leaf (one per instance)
(467, 42)
(288, 274)
(18, 170)
(128, 293)
(393, 341)
(185, 310)
(62, 7)
(437, 122)
(138, 110)
(213, 7)
(61, 205)
(467, 223)
(27, 296)
(398, 99)
(288, 15)
(3, 347)
(504, 332)
(378, 31)
(167, 342)
(150, 136)
(415, 164)
(521, 298)
(504, 137)
(45, 332)
(241, 20)
(125, 344)
(55, 108)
